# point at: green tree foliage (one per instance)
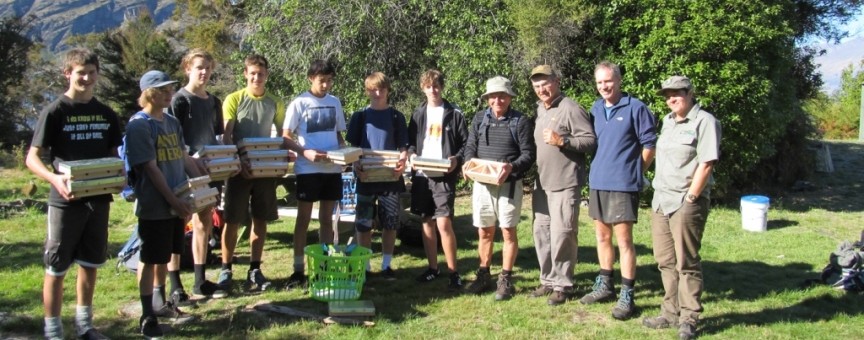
(743, 56)
(837, 116)
(215, 26)
(14, 49)
(360, 37)
(125, 54)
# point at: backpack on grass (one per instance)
(845, 269)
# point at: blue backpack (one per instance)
(131, 177)
(130, 253)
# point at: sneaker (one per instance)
(256, 281)
(455, 282)
(180, 298)
(558, 297)
(92, 334)
(505, 289)
(481, 284)
(429, 275)
(687, 331)
(296, 280)
(541, 291)
(625, 306)
(150, 327)
(209, 289)
(659, 322)
(225, 278)
(602, 291)
(174, 314)
(389, 274)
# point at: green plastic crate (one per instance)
(336, 278)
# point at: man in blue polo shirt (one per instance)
(626, 135)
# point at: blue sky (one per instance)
(838, 56)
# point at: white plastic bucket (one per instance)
(754, 213)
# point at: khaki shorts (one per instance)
(497, 203)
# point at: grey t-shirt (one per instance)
(200, 118)
(168, 151)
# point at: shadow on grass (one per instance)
(818, 308)
(837, 191)
(20, 254)
(780, 224)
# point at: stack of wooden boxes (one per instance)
(264, 156)
(198, 193)
(91, 177)
(379, 166)
(345, 156)
(432, 167)
(221, 161)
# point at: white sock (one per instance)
(368, 266)
(53, 328)
(83, 319)
(385, 262)
(298, 264)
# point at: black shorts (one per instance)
(79, 233)
(613, 207)
(319, 187)
(241, 192)
(160, 239)
(433, 197)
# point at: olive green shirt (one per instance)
(682, 146)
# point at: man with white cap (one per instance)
(155, 149)
(565, 135)
(499, 134)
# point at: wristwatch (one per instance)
(564, 142)
(691, 197)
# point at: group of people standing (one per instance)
(619, 131)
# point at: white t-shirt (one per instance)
(432, 144)
(314, 122)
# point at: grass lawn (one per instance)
(752, 280)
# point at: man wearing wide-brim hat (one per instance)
(498, 134)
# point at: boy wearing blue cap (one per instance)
(155, 150)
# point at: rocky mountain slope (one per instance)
(56, 20)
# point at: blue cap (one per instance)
(155, 79)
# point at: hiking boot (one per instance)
(602, 291)
(92, 334)
(625, 306)
(180, 298)
(558, 297)
(296, 280)
(505, 289)
(483, 283)
(541, 291)
(150, 327)
(659, 322)
(455, 282)
(429, 275)
(209, 289)
(256, 281)
(687, 331)
(389, 274)
(225, 278)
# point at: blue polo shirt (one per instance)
(630, 127)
